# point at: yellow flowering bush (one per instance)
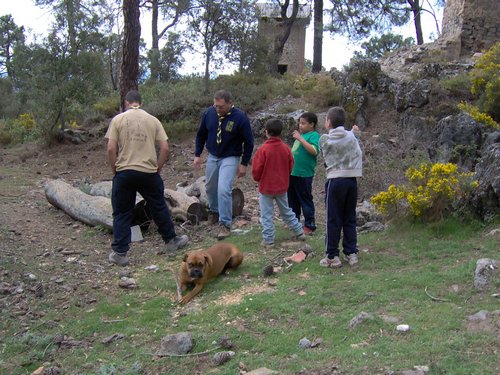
(477, 115)
(486, 82)
(26, 121)
(17, 130)
(432, 188)
(388, 202)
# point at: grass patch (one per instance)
(398, 270)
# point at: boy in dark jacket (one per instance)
(271, 168)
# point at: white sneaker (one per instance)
(352, 259)
(330, 263)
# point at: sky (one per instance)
(337, 51)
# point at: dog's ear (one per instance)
(208, 260)
(185, 257)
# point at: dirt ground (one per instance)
(46, 256)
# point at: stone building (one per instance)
(470, 26)
(270, 25)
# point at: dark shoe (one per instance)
(267, 244)
(213, 218)
(176, 243)
(330, 263)
(118, 258)
(224, 232)
(352, 259)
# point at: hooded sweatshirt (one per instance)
(341, 153)
(271, 167)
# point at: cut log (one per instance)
(196, 213)
(91, 210)
(196, 189)
(238, 202)
(184, 207)
(101, 189)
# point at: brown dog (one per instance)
(198, 267)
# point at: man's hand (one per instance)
(112, 149)
(242, 170)
(197, 162)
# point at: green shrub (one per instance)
(364, 72)
(458, 86)
(251, 92)
(319, 90)
(10, 102)
(177, 130)
(176, 101)
(108, 105)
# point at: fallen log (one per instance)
(91, 210)
(184, 207)
(186, 203)
(196, 189)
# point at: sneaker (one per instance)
(223, 232)
(308, 231)
(120, 259)
(330, 263)
(176, 243)
(267, 244)
(213, 218)
(352, 259)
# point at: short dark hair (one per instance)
(337, 116)
(310, 118)
(133, 96)
(223, 94)
(274, 127)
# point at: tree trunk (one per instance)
(318, 37)
(415, 8)
(206, 78)
(282, 37)
(131, 38)
(154, 57)
(70, 16)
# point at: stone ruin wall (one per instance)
(294, 49)
(471, 25)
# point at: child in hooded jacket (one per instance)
(342, 154)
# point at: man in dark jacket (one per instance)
(226, 133)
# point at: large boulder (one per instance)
(485, 201)
(411, 94)
(459, 139)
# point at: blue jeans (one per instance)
(300, 199)
(341, 199)
(220, 174)
(266, 203)
(126, 184)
